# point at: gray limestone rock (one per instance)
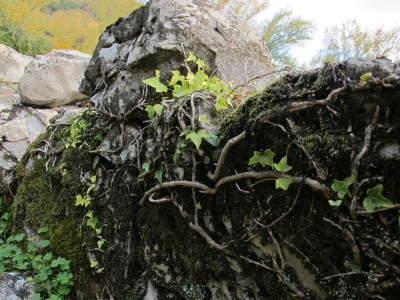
(151, 38)
(53, 79)
(13, 286)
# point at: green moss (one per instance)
(34, 201)
(67, 240)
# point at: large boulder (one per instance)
(221, 221)
(53, 79)
(12, 64)
(155, 37)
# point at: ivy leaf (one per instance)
(212, 139)
(335, 202)
(198, 205)
(354, 267)
(342, 187)
(100, 243)
(158, 108)
(176, 78)
(92, 222)
(84, 201)
(94, 264)
(201, 79)
(145, 168)
(196, 137)
(64, 277)
(154, 82)
(221, 104)
(282, 166)
(159, 175)
(191, 56)
(200, 64)
(150, 111)
(265, 158)
(375, 199)
(203, 119)
(366, 76)
(63, 290)
(283, 183)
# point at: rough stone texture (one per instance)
(12, 64)
(53, 79)
(151, 38)
(13, 286)
(19, 127)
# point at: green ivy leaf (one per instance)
(221, 104)
(200, 64)
(159, 176)
(94, 263)
(354, 267)
(92, 222)
(198, 205)
(150, 111)
(265, 158)
(335, 202)
(60, 262)
(283, 183)
(63, 290)
(375, 199)
(64, 277)
(154, 82)
(84, 201)
(212, 139)
(342, 187)
(366, 76)
(100, 243)
(196, 137)
(203, 119)
(191, 57)
(201, 80)
(176, 78)
(282, 166)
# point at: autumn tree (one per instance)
(351, 40)
(284, 31)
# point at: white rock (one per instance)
(12, 64)
(53, 79)
(16, 130)
(7, 101)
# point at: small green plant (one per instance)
(266, 158)
(78, 127)
(342, 189)
(181, 86)
(374, 198)
(51, 277)
(91, 221)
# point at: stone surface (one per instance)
(151, 38)
(12, 64)
(53, 79)
(13, 286)
(7, 101)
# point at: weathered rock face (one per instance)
(152, 38)
(187, 223)
(19, 127)
(12, 64)
(14, 286)
(53, 79)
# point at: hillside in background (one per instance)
(34, 27)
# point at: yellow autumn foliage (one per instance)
(67, 24)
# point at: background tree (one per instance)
(351, 40)
(284, 31)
